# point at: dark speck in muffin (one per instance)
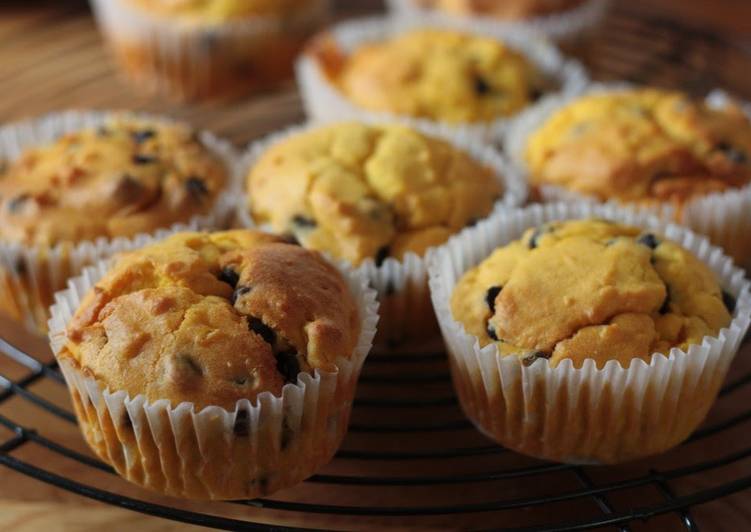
(381, 255)
(530, 359)
(490, 296)
(729, 300)
(491, 333)
(303, 221)
(187, 361)
(196, 187)
(481, 86)
(239, 292)
(143, 159)
(733, 154)
(229, 276)
(649, 240)
(17, 203)
(241, 427)
(288, 365)
(260, 328)
(143, 135)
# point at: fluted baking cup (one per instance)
(29, 276)
(257, 448)
(584, 415)
(189, 60)
(725, 217)
(406, 313)
(323, 101)
(560, 26)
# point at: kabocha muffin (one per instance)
(587, 340)
(508, 10)
(466, 81)
(378, 196)
(191, 49)
(73, 195)
(647, 147)
(215, 366)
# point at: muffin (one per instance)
(77, 187)
(378, 196)
(614, 354)
(199, 49)
(215, 366)
(464, 80)
(564, 21)
(652, 148)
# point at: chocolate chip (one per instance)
(491, 333)
(481, 86)
(381, 255)
(665, 308)
(241, 426)
(729, 301)
(239, 291)
(229, 276)
(733, 154)
(531, 358)
(196, 187)
(260, 328)
(189, 362)
(17, 203)
(288, 365)
(490, 296)
(143, 135)
(533, 240)
(303, 221)
(649, 240)
(143, 159)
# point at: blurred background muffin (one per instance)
(198, 49)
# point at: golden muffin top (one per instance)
(213, 318)
(217, 11)
(590, 289)
(645, 145)
(360, 191)
(438, 74)
(121, 179)
(505, 9)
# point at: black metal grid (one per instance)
(666, 54)
(584, 487)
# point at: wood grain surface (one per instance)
(52, 58)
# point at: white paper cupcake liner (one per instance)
(323, 101)
(254, 449)
(724, 217)
(406, 313)
(29, 276)
(562, 26)
(190, 60)
(584, 415)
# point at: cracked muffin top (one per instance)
(438, 74)
(642, 145)
(358, 191)
(217, 11)
(505, 10)
(213, 318)
(118, 180)
(590, 289)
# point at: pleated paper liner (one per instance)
(255, 449)
(584, 415)
(29, 276)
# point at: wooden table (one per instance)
(51, 58)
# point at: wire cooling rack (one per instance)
(411, 459)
